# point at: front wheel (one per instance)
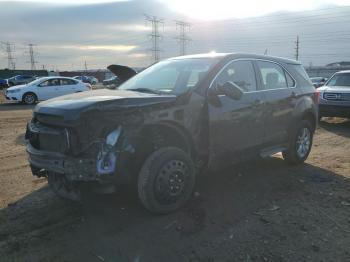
(166, 180)
(300, 143)
(29, 98)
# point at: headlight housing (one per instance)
(112, 137)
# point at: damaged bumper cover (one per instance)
(74, 168)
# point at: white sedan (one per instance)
(45, 88)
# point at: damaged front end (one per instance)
(58, 150)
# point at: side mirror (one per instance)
(231, 90)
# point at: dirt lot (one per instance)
(259, 211)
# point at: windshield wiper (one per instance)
(146, 90)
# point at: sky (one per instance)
(68, 33)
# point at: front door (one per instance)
(235, 126)
(49, 89)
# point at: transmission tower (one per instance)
(155, 35)
(9, 49)
(297, 48)
(183, 38)
(32, 60)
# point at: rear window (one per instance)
(301, 71)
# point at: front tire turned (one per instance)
(166, 180)
(300, 143)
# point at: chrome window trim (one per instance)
(255, 59)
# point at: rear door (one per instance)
(49, 89)
(280, 94)
(236, 126)
(69, 86)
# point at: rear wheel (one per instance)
(29, 98)
(63, 187)
(166, 180)
(300, 143)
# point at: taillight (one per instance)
(89, 86)
(317, 96)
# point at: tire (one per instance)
(63, 188)
(166, 180)
(300, 143)
(29, 98)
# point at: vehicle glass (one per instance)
(65, 82)
(339, 80)
(50, 82)
(171, 76)
(240, 73)
(290, 80)
(272, 75)
(301, 71)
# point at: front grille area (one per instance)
(337, 96)
(47, 138)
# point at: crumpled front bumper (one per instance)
(79, 169)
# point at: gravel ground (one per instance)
(263, 210)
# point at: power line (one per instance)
(32, 60)
(297, 48)
(9, 47)
(182, 38)
(155, 35)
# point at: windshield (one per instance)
(339, 80)
(171, 76)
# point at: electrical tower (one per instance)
(9, 49)
(32, 60)
(155, 35)
(297, 48)
(85, 67)
(182, 38)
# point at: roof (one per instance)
(239, 55)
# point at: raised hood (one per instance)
(122, 72)
(70, 107)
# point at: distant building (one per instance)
(327, 70)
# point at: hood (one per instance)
(122, 72)
(341, 89)
(70, 107)
(16, 87)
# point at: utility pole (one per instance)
(85, 67)
(32, 60)
(182, 38)
(297, 48)
(155, 35)
(266, 50)
(9, 54)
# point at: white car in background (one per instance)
(45, 88)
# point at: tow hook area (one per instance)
(107, 157)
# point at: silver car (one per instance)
(335, 96)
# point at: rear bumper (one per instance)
(334, 110)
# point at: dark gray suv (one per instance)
(172, 120)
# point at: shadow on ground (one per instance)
(264, 210)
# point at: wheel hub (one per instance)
(171, 181)
(303, 142)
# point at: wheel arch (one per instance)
(30, 92)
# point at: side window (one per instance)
(240, 73)
(50, 82)
(65, 82)
(272, 75)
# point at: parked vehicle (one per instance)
(87, 79)
(122, 73)
(45, 88)
(20, 80)
(175, 118)
(318, 81)
(3, 83)
(335, 96)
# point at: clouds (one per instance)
(102, 34)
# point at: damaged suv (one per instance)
(172, 120)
